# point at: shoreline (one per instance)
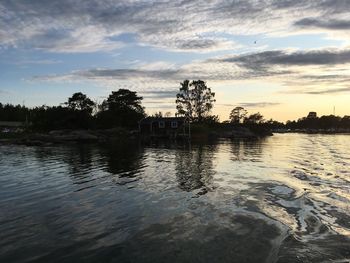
(59, 137)
(117, 135)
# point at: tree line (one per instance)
(123, 108)
(326, 122)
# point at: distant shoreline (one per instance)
(313, 131)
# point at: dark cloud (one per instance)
(323, 6)
(333, 6)
(266, 59)
(328, 91)
(288, 4)
(252, 104)
(198, 44)
(129, 74)
(332, 24)
(322, 79)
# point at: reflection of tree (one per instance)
(78, 157)
(124, 159)
(194, 168)
(246, 149)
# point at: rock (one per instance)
(243, 132)
(83, 135)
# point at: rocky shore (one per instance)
(242, 133)
(113, 135)
(68, 137)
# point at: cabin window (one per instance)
(174, 124)
(161, 124)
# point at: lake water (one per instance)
(282, 199)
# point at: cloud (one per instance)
(333, 24)
(301, 67)
(80, 40)
(313, 70)
(328, 66)
(259, 104)
(96, 25)
(126, 74)
(37, 61)
(163, 107)
(5, 92)
(285, 58)
(252, 104)
(120, 76)
(160, 94)
(159, 101)
(328, 91)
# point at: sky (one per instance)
(282, 58)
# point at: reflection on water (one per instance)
(282, 199)
(194, 168)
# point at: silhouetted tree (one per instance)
(272, 124)
(345, 122)
(329, 122)
(10, 112)
(80, 102)
(255, 118)
(194, 100)
(326, 122)
(122, 108)
(52, 118)
(76, 114)
(158, 114)
(238, 114)
(183, 100)
(211, 119)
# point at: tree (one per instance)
(80, 102)
(55, 118)
(238, 114)
(194, 100)
(211, 119)
(122, 108)
(124, 99)
(158, 115)
(345, 122)
(9, 112)
(255, 118)
(183, 100)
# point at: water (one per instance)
(282, 199)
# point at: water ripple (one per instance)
(282, 199)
